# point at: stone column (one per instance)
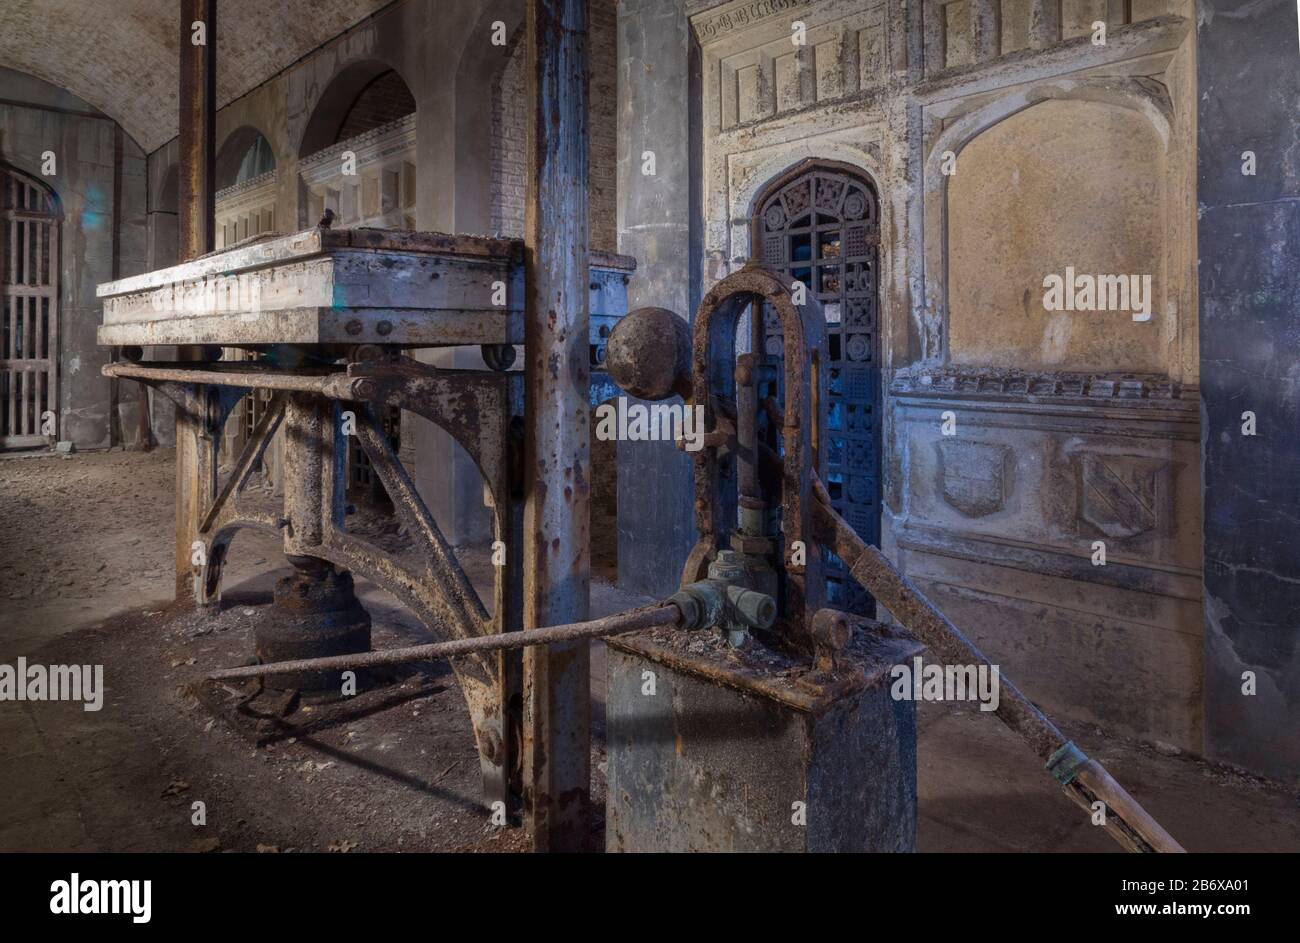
(1247, 231)
(655, 92)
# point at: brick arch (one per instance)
(337, 99)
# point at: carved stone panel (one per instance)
(1121, 495)
(975, 478)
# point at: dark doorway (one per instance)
(820, 224)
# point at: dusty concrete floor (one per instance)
(85, 577)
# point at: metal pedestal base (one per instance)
(730, 754)
(316, 613)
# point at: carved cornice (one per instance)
(379, 143)
(247, 192)
(1033, 385)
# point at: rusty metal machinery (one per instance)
(685, 771)
(743, 713)
(778, 738)
(327, 314)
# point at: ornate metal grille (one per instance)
(822, 227)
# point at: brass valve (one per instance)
(725, 602)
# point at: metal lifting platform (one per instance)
(326, 316)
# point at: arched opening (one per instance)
(362, 97)
(30, 218)
(819, 223)
(358, 151)
(245, 154)
(245, 179)
(384, 99)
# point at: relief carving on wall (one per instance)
(1121, 495)
(974, 476)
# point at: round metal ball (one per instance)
(649, 354)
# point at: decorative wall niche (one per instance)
(1066, 188)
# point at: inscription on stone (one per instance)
(744, 15)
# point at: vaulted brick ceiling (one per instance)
(121, 55)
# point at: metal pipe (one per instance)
(195, 480)
(197, 128)
(664, 614)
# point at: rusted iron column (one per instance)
(198, 110)
(557, 565)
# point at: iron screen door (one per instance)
(29, 322)
(821, 225)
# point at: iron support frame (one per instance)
(481, 410)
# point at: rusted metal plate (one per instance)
(346, 287)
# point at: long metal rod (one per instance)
(1126, 821)
(634, 621)
(217, 375)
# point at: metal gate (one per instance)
(820, 224)
(29, 322)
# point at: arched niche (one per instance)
(243, 155)
(357, 157)
(1067, 186)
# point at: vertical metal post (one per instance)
(198, 109)
(557, 565)
(198, 113)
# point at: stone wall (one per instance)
(1005, 145)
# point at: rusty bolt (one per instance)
(830, 635)
(365, 389)
(384, 328)
(353, 327)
